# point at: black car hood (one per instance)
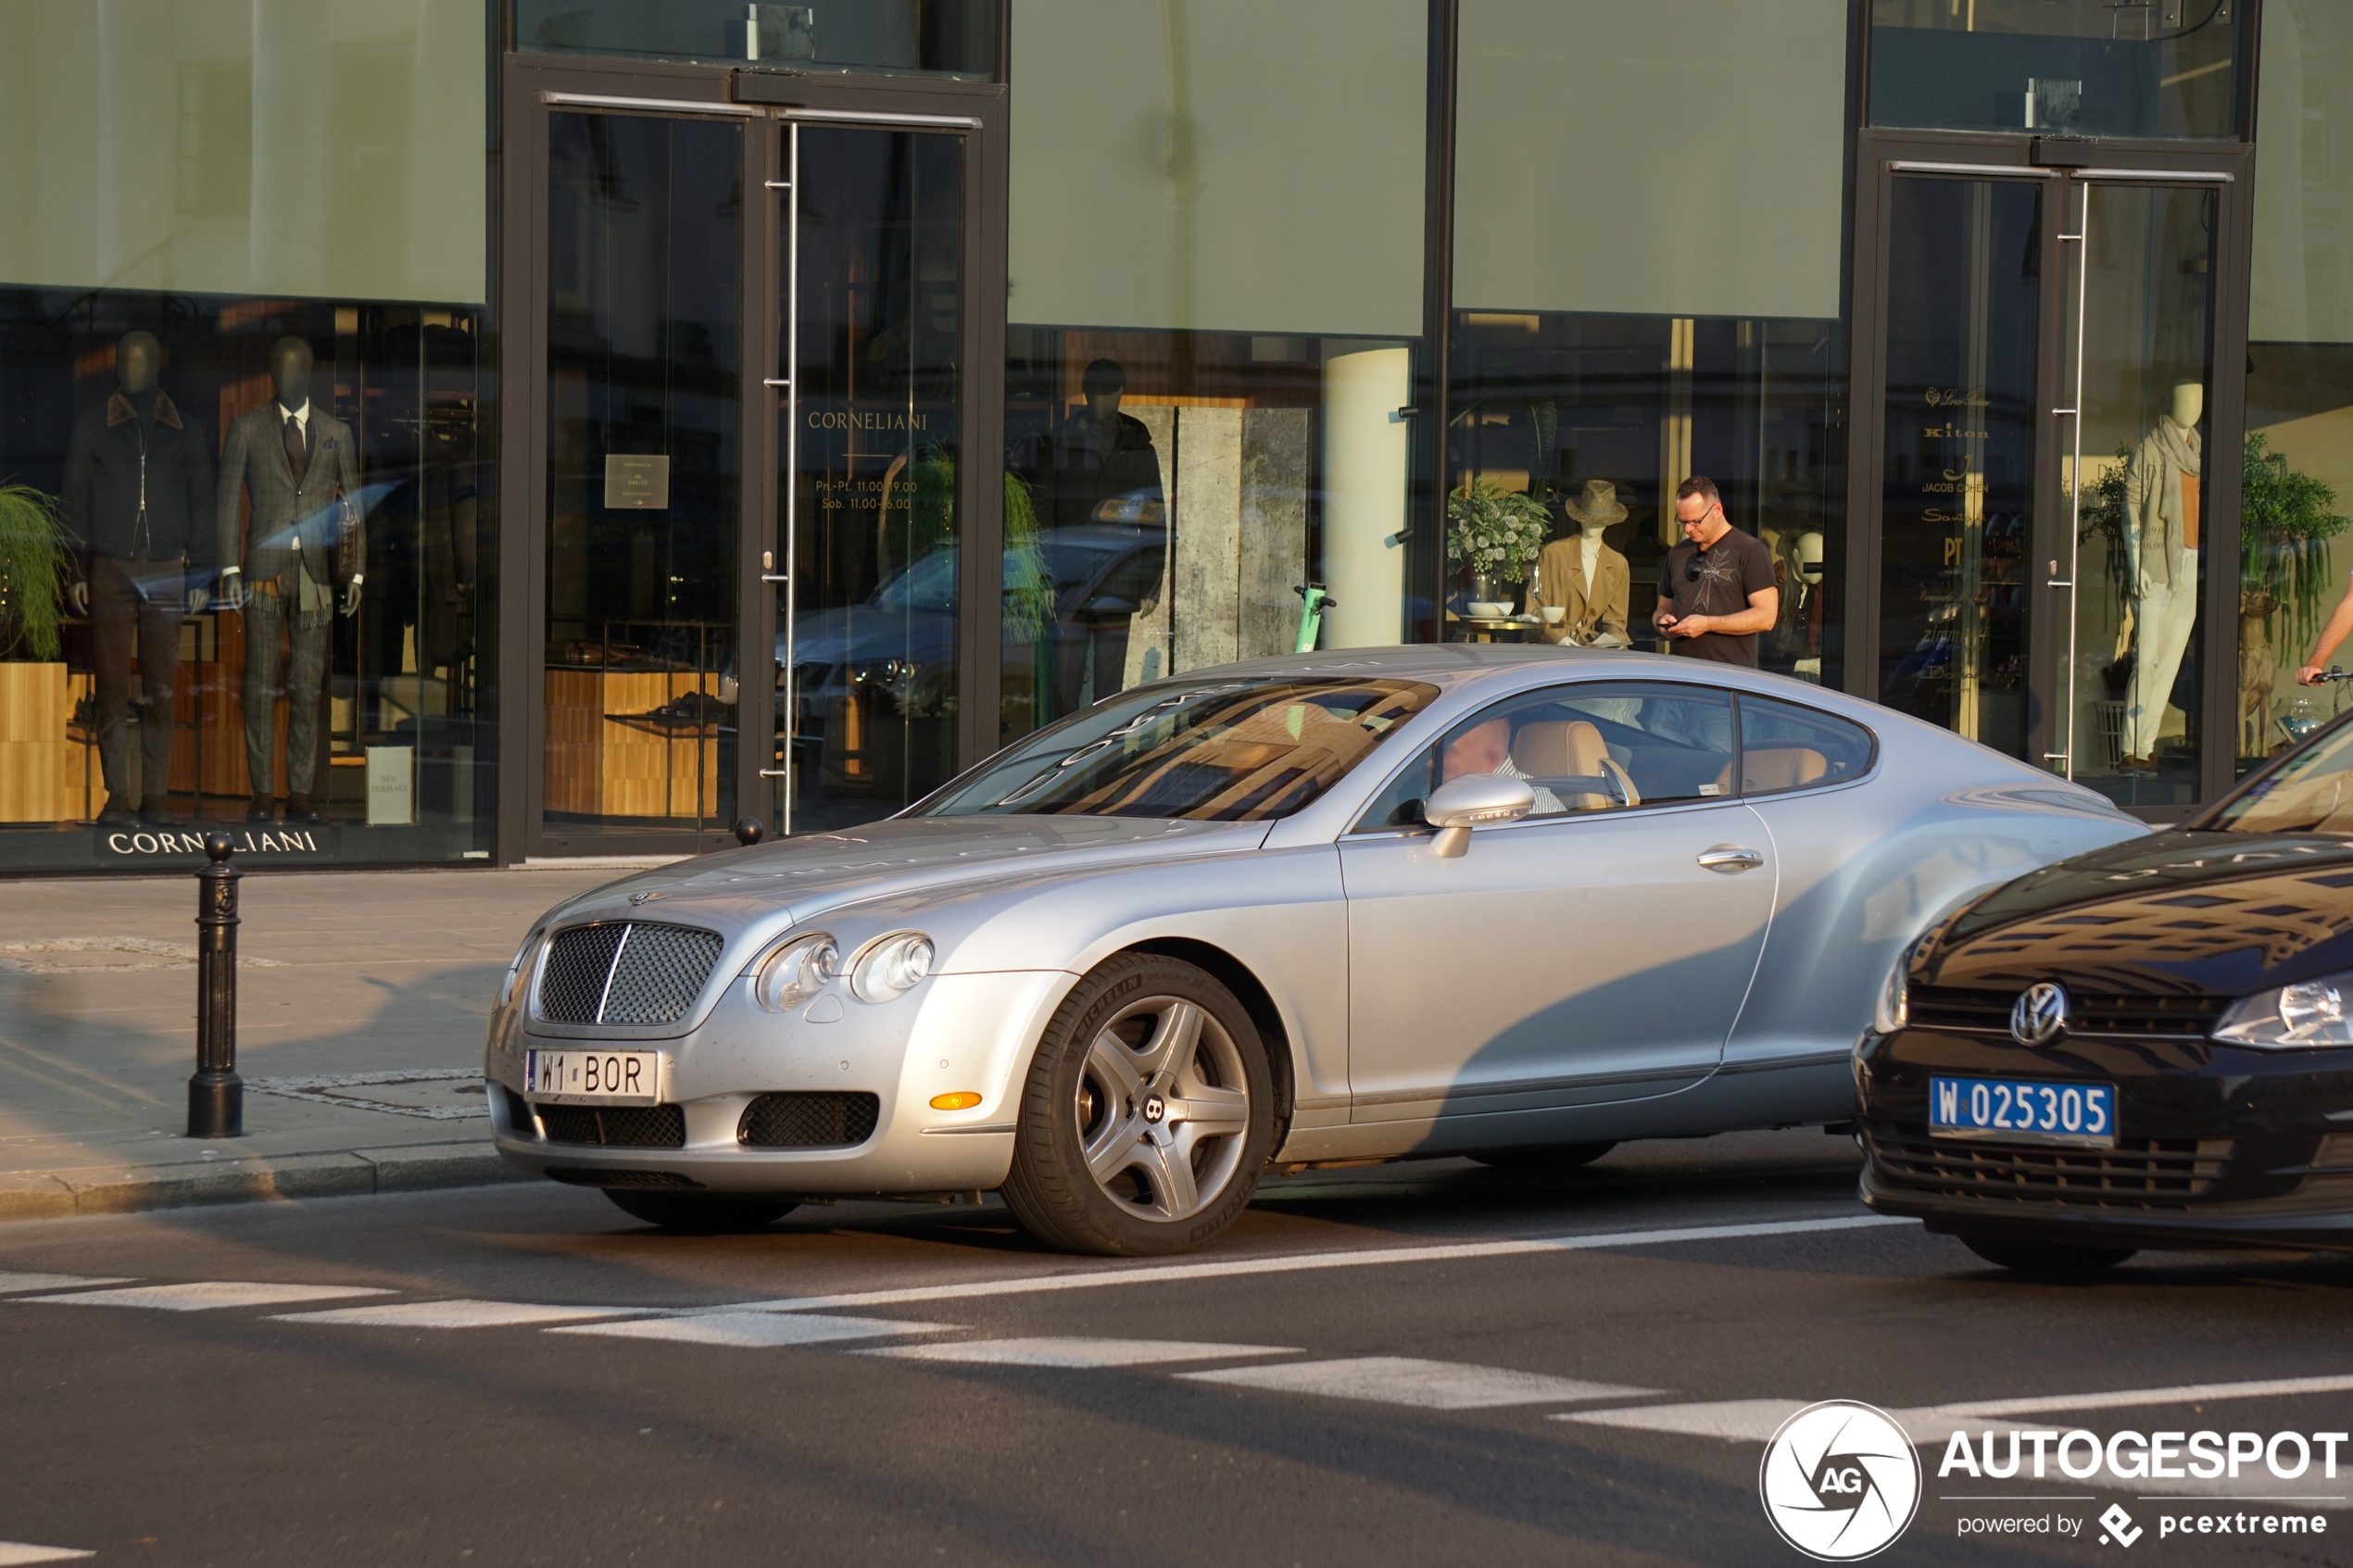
(2221, 913)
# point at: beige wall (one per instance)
(2304, 175)
(317, 148)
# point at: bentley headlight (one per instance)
(2309, 1016)
(794, 970)
(521, 966)
(892, 965)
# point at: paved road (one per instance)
(1431, 1363)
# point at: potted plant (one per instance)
(33, 545)
(1496, 534)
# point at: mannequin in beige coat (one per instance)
(1583, 577)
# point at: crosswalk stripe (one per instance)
(15, 1554)
(458, 1313)
(203, 1296)
(1405, 1380)
(757, 1331)
(1064, 1352)
(1293, 1262)
(12, 1283)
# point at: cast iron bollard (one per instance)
(748, 832)
(216, 1095)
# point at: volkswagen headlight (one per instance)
(1894, 1009)
(2307, 1016)
(793, 970)
(892, 965)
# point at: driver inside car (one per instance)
(1487, 748)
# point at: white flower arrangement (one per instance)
(1493, 531)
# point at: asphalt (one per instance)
(1414, 1363)
(362, 1001)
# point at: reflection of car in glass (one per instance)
(2147, 1046)
(1510, 902)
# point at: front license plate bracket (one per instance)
(577, 1076)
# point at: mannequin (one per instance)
(138, 491)
(2160, 550)
(1584, 577)
(1807, 620)
(291, 457)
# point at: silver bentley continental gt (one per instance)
(1518, 904)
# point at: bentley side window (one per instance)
(1784, 746)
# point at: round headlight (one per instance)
(795, 971)
(890, 966)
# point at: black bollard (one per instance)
(748, 832)
(216, 1095)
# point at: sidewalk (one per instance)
(362, 997)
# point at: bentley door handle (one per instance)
(1729, 858)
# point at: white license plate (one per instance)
(2020, 1111)
(605, 1077)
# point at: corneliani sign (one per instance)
(145, 844)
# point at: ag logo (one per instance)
(1840, 1481)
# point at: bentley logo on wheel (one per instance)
(2039, 1018)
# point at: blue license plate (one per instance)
(2020, 1110)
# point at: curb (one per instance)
(55, 1195)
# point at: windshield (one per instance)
(2312, 792)
(1225, 751)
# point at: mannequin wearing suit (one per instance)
(2161, 545)
(1583, 577)
(290, 457)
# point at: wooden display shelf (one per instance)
(598, 767)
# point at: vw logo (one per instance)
(1840, 1481)
(2040, 1016)
(1155, 1107)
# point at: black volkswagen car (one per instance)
(2150, 1046)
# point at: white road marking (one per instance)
(758, 1331)
(1075, 1352)
(1733, 1421)
(204, 1296)
(12, 1283)
(13, 1553)
(1403, 1380)
(1292, 1263)
(458, 1313)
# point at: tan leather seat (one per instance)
(1568, 748)
(1780, 767)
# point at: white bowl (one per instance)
(1487, 609)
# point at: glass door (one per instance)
(2136, 370)
(868, 560)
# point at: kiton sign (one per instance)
(157, 843)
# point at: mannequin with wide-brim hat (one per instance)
(1580, 585)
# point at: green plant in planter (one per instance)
(33, 550)
(1496, 532)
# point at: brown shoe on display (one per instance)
(118, 813)
(262, 810)
(299, 809)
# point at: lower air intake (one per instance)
(619, 1126)
(808, 1120)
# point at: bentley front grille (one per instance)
(616, 1126)
(808, 1120)
(628, 972)
(2136, 1174)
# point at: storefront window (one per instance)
(2296, 546)
(949, 38)
(1210, 369)
(2059, 67)
(1624, 324)
(245, 552)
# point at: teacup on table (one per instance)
(1554, 614)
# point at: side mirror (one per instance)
(1473, 800)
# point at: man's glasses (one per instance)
(1689, 522)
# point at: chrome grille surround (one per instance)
(627, 973)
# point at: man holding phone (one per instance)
(1717, 593)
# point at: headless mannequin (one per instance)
(2161, 519)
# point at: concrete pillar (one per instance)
(1365, 453)
(1205, 576)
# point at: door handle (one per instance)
(1730, 857)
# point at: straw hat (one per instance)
(1598, 505)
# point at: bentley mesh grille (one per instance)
(808, 1120)
(629, 972)
(589, 1176)
(2136, 1174)
(1987, 1011)
(616, 1126)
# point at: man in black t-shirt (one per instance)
(1717, 593)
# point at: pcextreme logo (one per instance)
(1840, 1481)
